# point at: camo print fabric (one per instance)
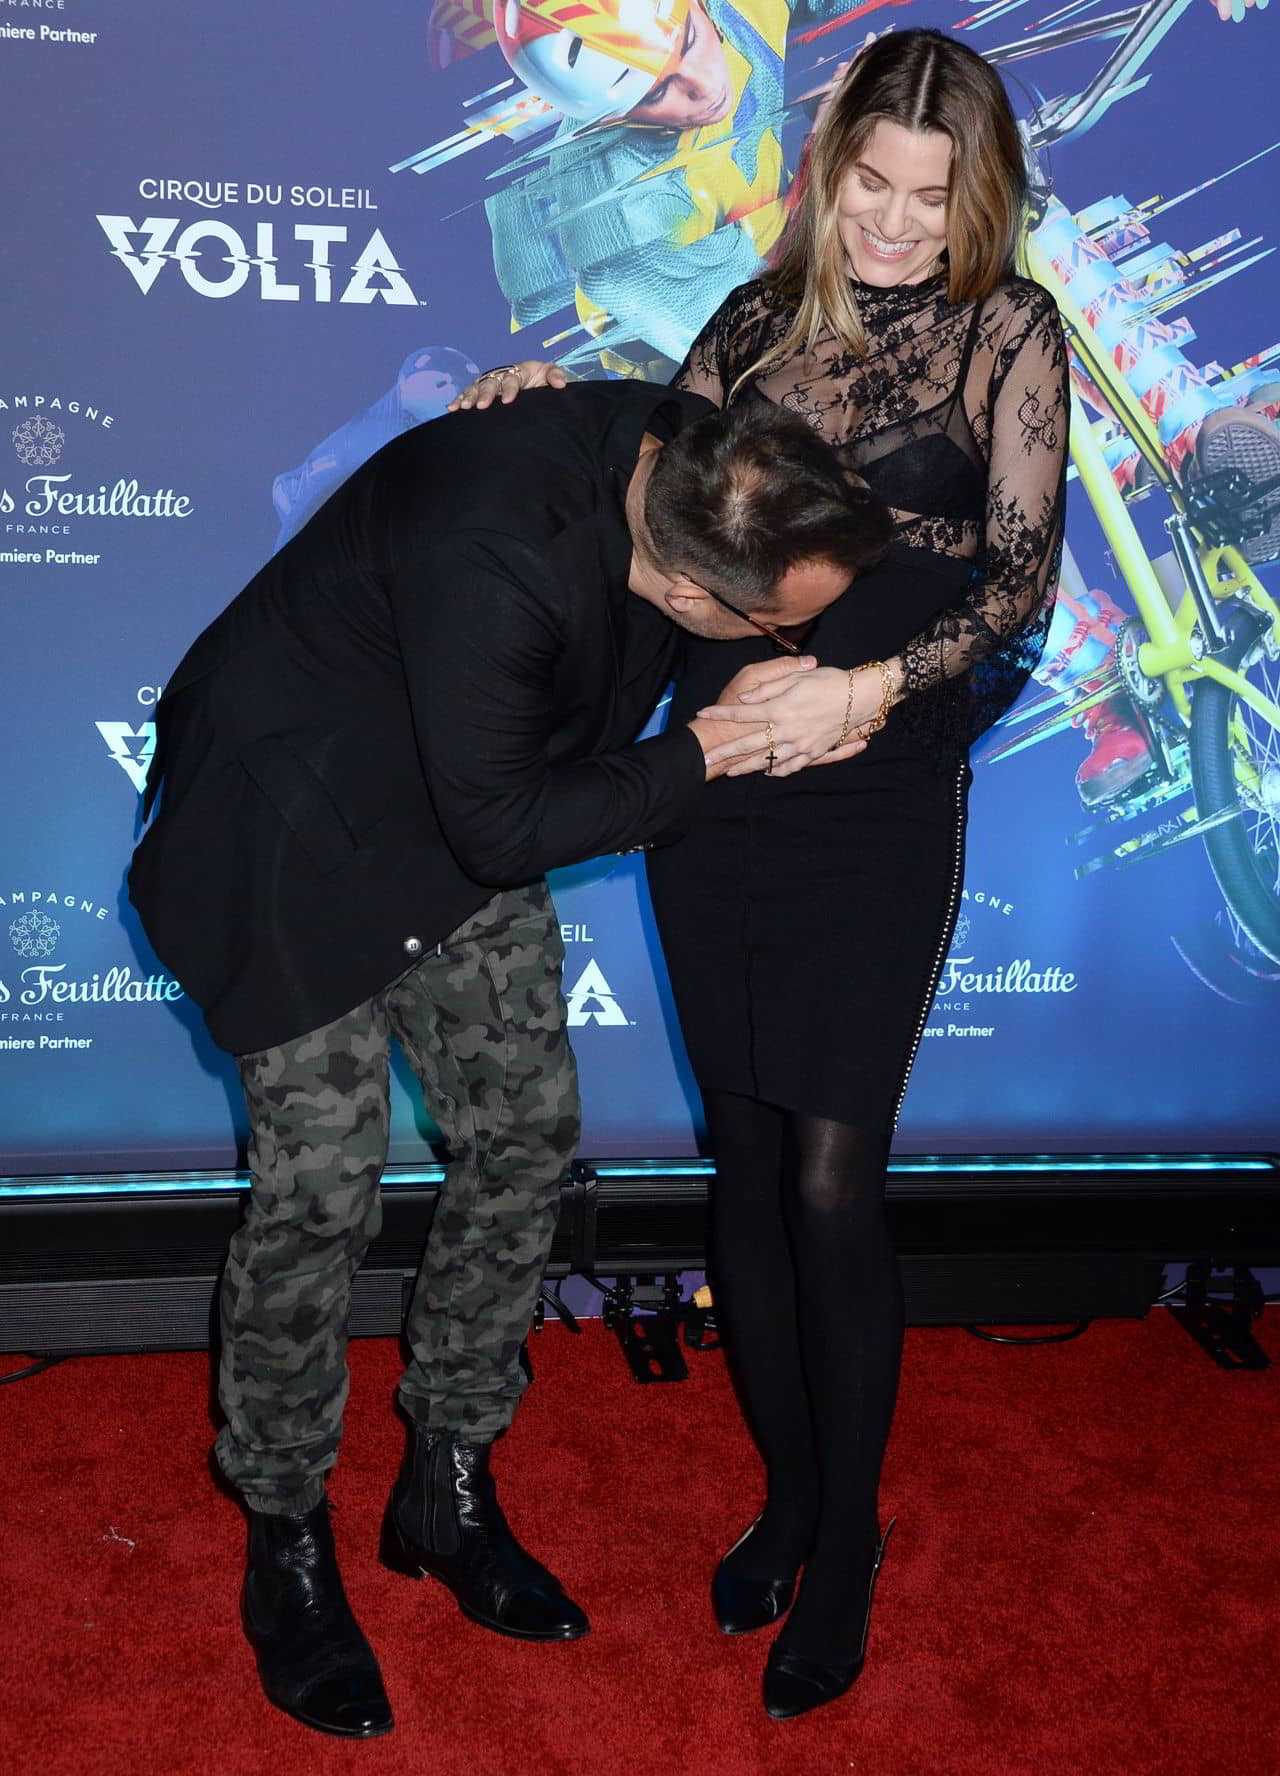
(483, 1025)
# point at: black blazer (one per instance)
(427, 694)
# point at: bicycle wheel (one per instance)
(1235, 770)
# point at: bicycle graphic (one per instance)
(1199, 662)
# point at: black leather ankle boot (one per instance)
(314, 1662)
(444, 1519)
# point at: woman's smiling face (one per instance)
(892, 205)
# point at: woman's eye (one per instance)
(934, 203)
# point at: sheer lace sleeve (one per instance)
(996, 635)
(700, 372)
(732, 340)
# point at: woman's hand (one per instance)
(806, 713)
(505, 383)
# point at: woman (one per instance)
(806, 917)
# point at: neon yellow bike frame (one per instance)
(1171, 651)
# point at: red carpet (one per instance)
(1085, 1577)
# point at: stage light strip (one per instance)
(971, 1165)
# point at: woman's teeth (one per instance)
(894, 249)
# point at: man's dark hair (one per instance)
(739, 497)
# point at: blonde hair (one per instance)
(922, 81)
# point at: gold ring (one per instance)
(499, 370)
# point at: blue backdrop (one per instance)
(248, 244)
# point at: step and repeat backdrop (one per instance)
(247, 244)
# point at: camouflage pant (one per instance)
(483, 1025)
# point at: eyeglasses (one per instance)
(776, 636)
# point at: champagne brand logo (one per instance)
(38, 441)
(972, 985)
(43, 503)
(43, 988)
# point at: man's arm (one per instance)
(481, 656)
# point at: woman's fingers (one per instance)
(505, 381)
(850, 749)
(731, 712)
(739, 749)
(479, 394)
(770, 677)
(762, 672)
(776, 686)
(785, 666)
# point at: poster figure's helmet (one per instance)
(591, 59)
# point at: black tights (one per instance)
(809, 1301)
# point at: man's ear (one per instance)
(685, 600)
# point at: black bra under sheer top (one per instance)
(956, 415)
(929, 464)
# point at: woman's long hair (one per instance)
(923, 81)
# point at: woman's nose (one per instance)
(891, 218)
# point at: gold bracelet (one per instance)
(866, 729)
(848, 713)
(881, 715)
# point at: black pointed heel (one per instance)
(794, 1686)
(742, 1605)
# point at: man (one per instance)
(428, 695)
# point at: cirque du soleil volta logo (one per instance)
(279, 261)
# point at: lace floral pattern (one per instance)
(991, 380)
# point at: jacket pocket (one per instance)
(302, 802)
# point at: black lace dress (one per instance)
(805, 919)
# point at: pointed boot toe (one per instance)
(313, 1660)
(352, 1706)
(443, 1520)
(539, 1612)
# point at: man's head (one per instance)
(746, 520)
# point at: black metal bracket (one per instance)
(553, 1299)
(650, 1338)
(579, 1195)
(1219, 1308)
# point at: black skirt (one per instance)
(805, 919)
